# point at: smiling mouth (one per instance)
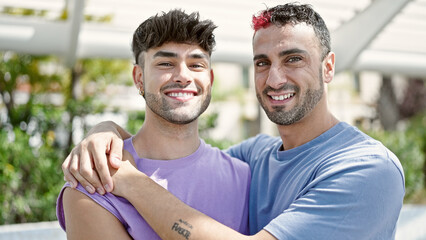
(180, 94)
(283, 97)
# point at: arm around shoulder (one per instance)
(85, 219)
(164, 213)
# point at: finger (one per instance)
(101, 165)
(116, 152)
(74, 169)
(88, 172)
(67, 174)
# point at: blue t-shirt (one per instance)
(341, 185)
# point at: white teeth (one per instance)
(180, 94)
(282, 97)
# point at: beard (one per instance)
(308, 101)
(181, 112)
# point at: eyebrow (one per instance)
(259, 56)
(281, 54)
(165, 54)
(175, 55)
(292, 51)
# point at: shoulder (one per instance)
(352, 145)
(348, 158)
(79, 195)
(221, 157)
(352, 152)
(84, 218)
(261, 140)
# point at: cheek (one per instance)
(203, 80)
(153, 85)
(260, 79)
(159, 79)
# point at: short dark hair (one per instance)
(173, 26)
(295, 13)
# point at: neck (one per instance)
(318, 121)
(160, 139)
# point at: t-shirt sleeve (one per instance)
(103, 200)
(355, 200)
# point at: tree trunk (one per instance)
(76, 73)
(387, 107)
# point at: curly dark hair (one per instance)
(295, 13)
(173, 26)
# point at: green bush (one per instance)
(30, 177)
(36, 134)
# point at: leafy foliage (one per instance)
(30, 176)
(36, 127)
(135, 121)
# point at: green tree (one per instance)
(34, 123)
(39, 100)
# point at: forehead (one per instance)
(177, 50)
(279, 38)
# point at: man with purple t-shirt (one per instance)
(173, 74)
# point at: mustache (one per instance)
(284, 87)
(175, 85)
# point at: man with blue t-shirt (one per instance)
(321, 179)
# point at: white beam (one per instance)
(409, 64)
(33, 36)
(75, 20)
(98, 41)
(349, 40)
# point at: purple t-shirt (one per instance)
(207, 180)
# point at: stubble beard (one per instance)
(280, 116)
(173, 114)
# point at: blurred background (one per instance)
(65, 65)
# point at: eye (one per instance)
(165, 64)
(196, 66)
(294, 59)
(261, 63)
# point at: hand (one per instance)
(88, 161)
(124, 177)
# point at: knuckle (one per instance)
(85, 172)
(74, 170)
(100, 167)
(90, 144)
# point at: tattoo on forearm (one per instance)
(181, 230)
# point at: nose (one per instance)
(276, 77)
(183, 74)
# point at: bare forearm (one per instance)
(171, 218)
(123, 133)
(108, 124)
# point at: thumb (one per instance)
(116, 152)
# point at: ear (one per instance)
(211, 77)
(138, 76)
(329, 67)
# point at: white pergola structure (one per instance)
(388, 36)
